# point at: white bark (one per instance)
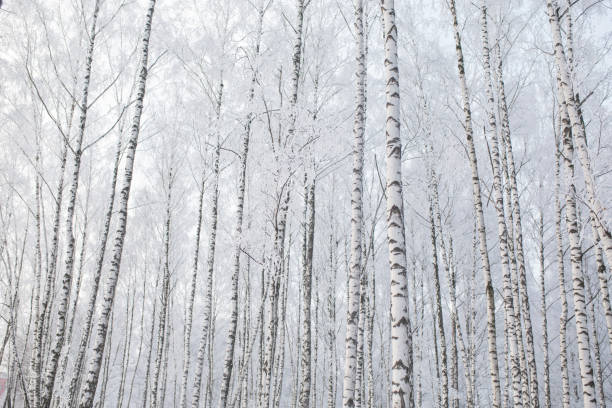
(62, 311)
(568, 89)
(545, 345)
(401, 337)
(352, 312)
(486, 267)
(231, 337)
(93, 372)
(582, 333)
(509, 295)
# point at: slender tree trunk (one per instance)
(190, 301)
(567, 89)
(331, 329)
(599, 382)
(486, 267)
(86, 329)
(280, 216)
(352, 312)
(88, 393)
(58, 341)
(35, 360)
(547, 397)
(231, 336)
(210, 269)
(518, 230)
(165, 295)
(510, 296)
(438, 308)
(562, 292)
(582, 333)
(306, 374)
(401, 337)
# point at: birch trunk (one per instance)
(486, 267)
(510, 296)
(306, 354)
(567, 88)
(352, 312)
(190, 301)
(582, 333)
(565, 387)
(401, 337)
(547, 396)
(438, 308)
(231, 336)
(599, 381)
(518, 231)
(35, 360)
(86, 330)
(58, 340)
(88, 393)
(163, 311)
(210, 269)
(603, 286)
(280, 217)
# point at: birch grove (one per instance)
(305, 203)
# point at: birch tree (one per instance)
(352, 313)
(93, 371)
(482, 235)
(401, 336)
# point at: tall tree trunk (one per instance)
(58, 340)
(599, 381)
(77, 370)
(283, 195)
(582, 333)
(567, 89)
(401, 336)
(486, 267)
(162, 331)
(231, 336)
(518, 229)
(352, 311)
(191, 298)
(547, 397)
(438, 307)
(509, 295)
(210, 266)
(306, 354)
(565, 387)
(35, 360)
(88, 393)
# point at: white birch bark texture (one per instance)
(163, 312)
(401, 336)
(35, 360)
(62, 311)
(515, 215)
(191, 298)
(210, 269)
(352, 313)
(571, 219)
(578, 131)
(306, 354)
(565, 387)
(283, 195)
(231, 336)
(482, 235)
(508, 295)
(545, 342)
(97, 350)
(86, 329)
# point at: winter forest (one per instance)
(305, 203)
